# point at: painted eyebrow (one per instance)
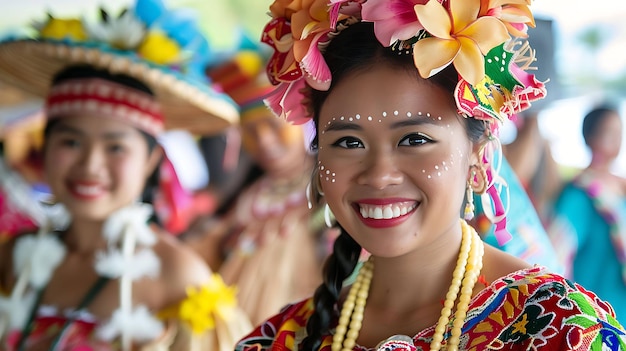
(341, 125)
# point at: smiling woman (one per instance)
(406, 98)
(108, 278)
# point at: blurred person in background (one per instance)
(588, 226)
(529, 154)
(98, 274)
(269, 244)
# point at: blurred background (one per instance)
(589, 44)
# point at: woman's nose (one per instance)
(92, 160)
(380, 171)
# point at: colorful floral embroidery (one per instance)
(531, 309)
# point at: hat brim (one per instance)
(186, 103)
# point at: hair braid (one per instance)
(339, 266)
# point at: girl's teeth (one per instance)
(384, 212)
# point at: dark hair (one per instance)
(593, 120)
(356, 49)
(86, 71)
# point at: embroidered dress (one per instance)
(508, 315)
(589, 231)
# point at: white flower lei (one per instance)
(36, 256)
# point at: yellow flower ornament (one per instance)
(203, 304)
(459, 37)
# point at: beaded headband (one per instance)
(475, 36)
(94, 96)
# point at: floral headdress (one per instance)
(478, 37)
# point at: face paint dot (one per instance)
(439, 118)
(322, 168)
(342, 118)
(436, 167)
(380, 120)
(423, 171)
(446, 168)
(369, 118)
(428, 114)
(395, 113)
(439, 174)
(384, 114)
(408, 114)
(333, 174)
(327, 172)
(333, 180)
(350, 119)
(358, 116)
(327, 179)
(429, 176)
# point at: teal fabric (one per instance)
(594, 261)
(530, 240)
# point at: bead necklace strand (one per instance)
(464, 278)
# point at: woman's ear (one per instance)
(154, 160)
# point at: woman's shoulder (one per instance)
(535, 304)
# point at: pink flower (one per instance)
(286, 102)
(515, 14)
(393, 19)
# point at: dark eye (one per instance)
(70, 142)
(115, 148)
(414, 139)
(349, 143)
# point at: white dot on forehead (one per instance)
(358, 116)
(408, 114)
(369, 118)
(384, 114)
(350, 119)
(395, 113)
(342, 118)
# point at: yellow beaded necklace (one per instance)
(464, 277)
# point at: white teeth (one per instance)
(87, 190)
(386, 211)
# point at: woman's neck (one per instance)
(418, 279)
(600, 163)
(84, 236)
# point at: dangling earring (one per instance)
(468, 213)
(328, 216)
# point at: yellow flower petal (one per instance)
(464, 12)
(428, 64)
(435, 19)
(470, 62)
(487, 32)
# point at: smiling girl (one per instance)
(406, 97)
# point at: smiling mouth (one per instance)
(389, 211)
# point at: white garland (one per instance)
(139, 323)
(35, 257)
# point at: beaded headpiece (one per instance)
(478, 37)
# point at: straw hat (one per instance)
(150, 43)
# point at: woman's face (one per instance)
(607, 140)
(96, 165)
(394, 159)
(274, 144)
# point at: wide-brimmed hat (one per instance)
(157, 46)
